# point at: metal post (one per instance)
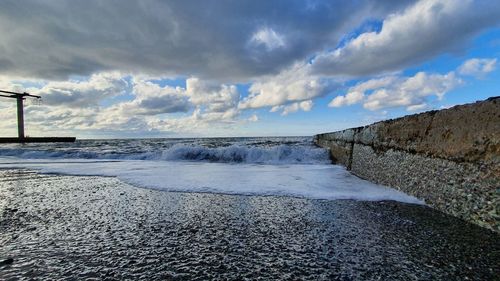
(20, 117)
(20, 111)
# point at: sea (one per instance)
(255, 166)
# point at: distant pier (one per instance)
(20, 97)
(37, 139)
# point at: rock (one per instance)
(7, 261)
(11, 210)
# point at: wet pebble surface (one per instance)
(95, 228)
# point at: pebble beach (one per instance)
(95, 228)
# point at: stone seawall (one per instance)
(449, 158)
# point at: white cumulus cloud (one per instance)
(293, 107)
(477, 67)
(212, 96)
(292, 85)
(409, 92)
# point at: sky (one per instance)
(213, 68)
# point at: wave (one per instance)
(280, 154)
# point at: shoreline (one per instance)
(98, 227)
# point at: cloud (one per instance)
(293, 107)
(393, 91)
(151, 99)
(477, 67)
(410, 92)
(76, 93)
(269, 38)
(357, 93)
(417, 107)
(207, 39)
(93, 61)
(78, 104)
(291, 85)
(213, 97)
(212, 104)
(253, 118)
(60, 118)
(82, 93)
(423, 30)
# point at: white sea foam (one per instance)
(317, 181)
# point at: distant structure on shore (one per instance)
(20, 97)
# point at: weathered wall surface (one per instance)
(449, 158)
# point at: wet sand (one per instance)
(69, 227)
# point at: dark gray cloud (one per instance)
(210, 39)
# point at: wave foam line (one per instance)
(329, 182)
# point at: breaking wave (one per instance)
(279, 154)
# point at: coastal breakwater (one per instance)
(450, 158)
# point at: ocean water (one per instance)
(281, 166)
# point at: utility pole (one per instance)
(20, 97)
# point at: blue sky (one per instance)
(202, 68)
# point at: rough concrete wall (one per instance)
(340, 145)
(449, 158)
